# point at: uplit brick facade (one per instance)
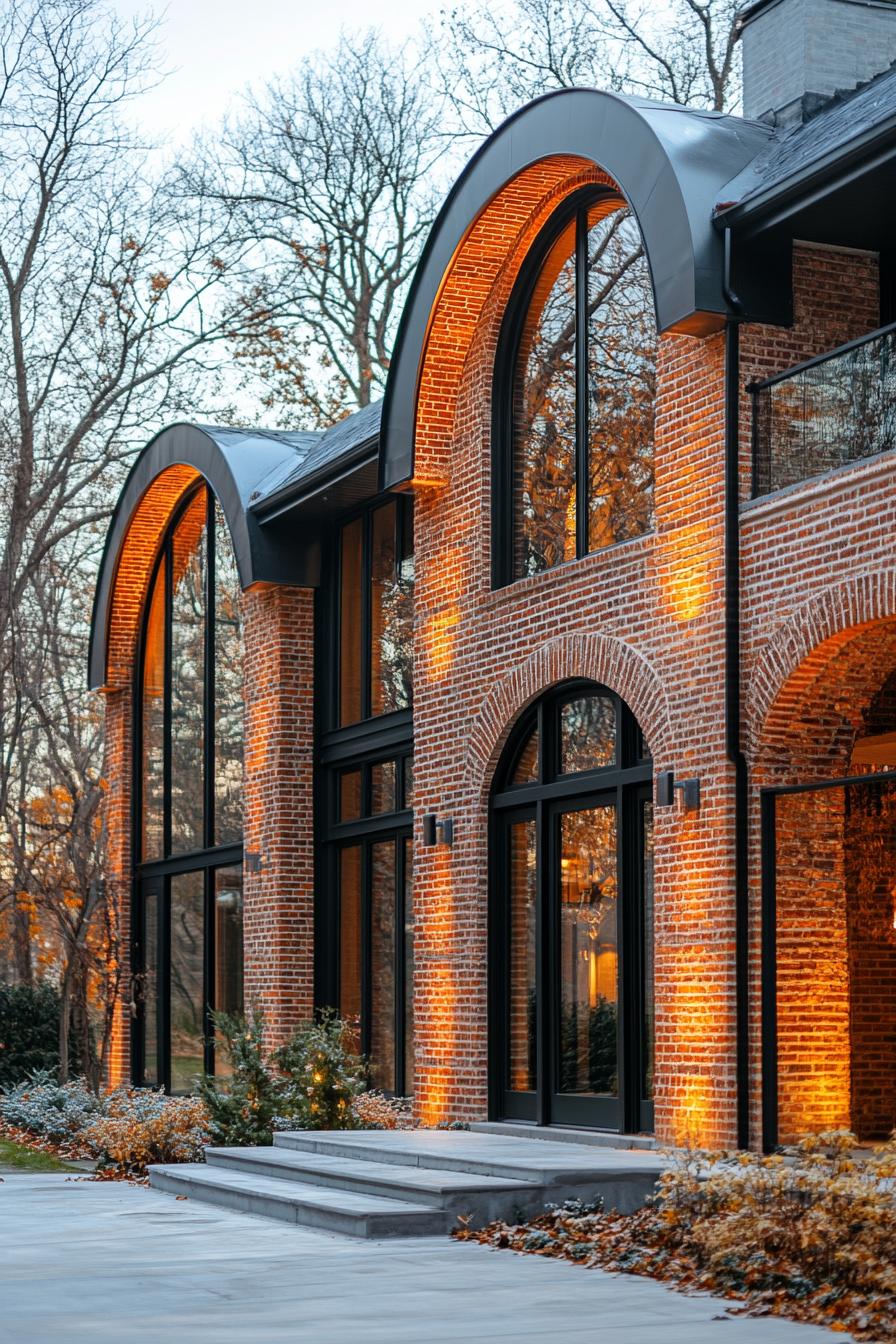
(646, 618)
(278, 805)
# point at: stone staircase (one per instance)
(414, 1183)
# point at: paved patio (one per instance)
(81, 1260)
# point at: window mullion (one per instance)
(581, 383)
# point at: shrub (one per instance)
(49, 1109)
(321, 1075)
(242, 1109)
(29, 1032)
(139, 1127)
(373, 1110)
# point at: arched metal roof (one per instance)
(233, 461)
(669, 162)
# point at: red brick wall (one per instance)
(644, 618)
(278, 638)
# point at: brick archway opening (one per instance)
(830, 882)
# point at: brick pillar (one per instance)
(696, 1038)
(118, 773)
(278, 637)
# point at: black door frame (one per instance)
(627, 785)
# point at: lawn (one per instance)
(16, 1157)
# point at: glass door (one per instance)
(584, 918)
(572, 919)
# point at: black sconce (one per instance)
(437, 832)
(666, 784)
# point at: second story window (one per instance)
(575, 393)
(376, 591)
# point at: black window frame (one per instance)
(370, 740)
(575, 207)
(152, 877)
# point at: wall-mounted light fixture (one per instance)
(666, 784)
(437, 832)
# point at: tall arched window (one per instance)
(575, 393)
(188, 736)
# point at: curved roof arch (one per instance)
(233, 462)
(668, 161)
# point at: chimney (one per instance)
(799, 53)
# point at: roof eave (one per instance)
(294, 493)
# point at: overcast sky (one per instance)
(216, 47)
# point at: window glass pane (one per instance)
(587, 734)
(350, 940)
(228, 689)
(151, 991)
(544, 418)
(350, 710)
(521, 1008)
(391, 616)
(622, 352)
(153, 730)
(648, 1032)
(228, 993)
(588, 952)
(188, 677)
(526, 769)
(350, 795)
(382, 787)
(408, 781)
(187, 959)
(382, 965)
(408, 967)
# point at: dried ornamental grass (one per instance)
(809, 1234)
(141, 1127)
(374, 1110)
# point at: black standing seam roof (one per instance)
(849, 123)
(333, 449)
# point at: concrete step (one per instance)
(592, 1138)
(344, 1212)
(479, 1198)
(622, 1177)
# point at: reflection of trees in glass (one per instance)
(622, 350)
(620, 368)
(188, 676)
(598, 1026)
(587, 734)
(391, 616)
(228, 689)
(544, 419)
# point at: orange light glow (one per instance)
(688, 582)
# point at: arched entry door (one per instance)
(572, 916)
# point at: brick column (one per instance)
(278, 637)
(118, 774)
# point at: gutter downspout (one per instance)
(733, 742)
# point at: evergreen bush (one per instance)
(321, 1075)
(29, 1032)
(242, 1108)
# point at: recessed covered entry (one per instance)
(571, 975)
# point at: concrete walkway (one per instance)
(116, 1264)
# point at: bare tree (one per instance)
(495, 58)
(111, 294)
(330, 173)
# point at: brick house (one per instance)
(543, 716)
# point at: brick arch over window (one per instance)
(601, 658)
(232, 462)
(668, 164)
(847, 623)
